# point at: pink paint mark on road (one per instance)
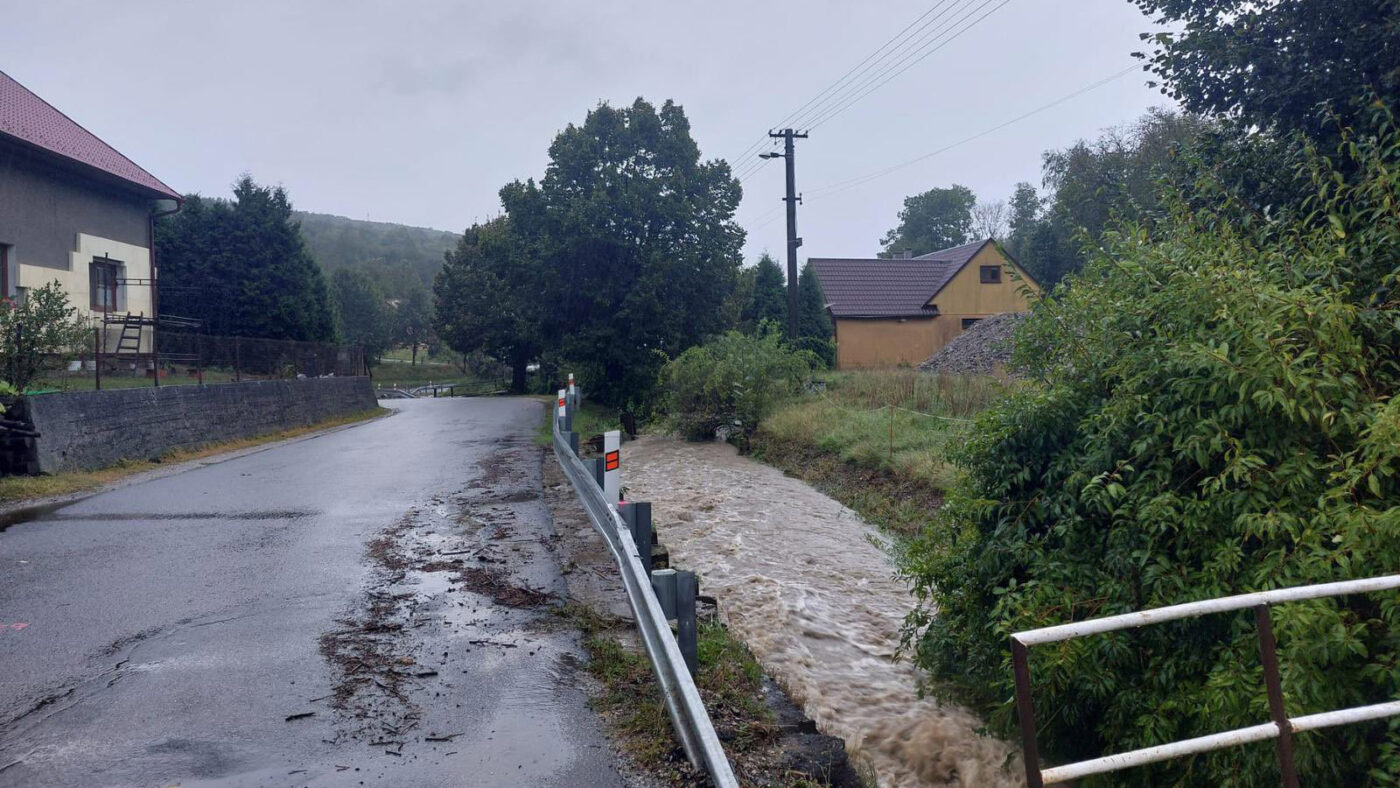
(15, 626)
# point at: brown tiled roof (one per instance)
(889, 288)
(31, 120)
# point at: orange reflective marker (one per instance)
(611, 461)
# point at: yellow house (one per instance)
(898, 312)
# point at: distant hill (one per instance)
(397, 255)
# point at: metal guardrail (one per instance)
(683, 704)
(1280, 729)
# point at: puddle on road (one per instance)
(29, 513)
(50, 513)
(800, 583)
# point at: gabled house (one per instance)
(892, 312)
(73, 209)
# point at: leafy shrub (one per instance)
(731, 382)
(40, 328)
(1216, 415)
(821, 347)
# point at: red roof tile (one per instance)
(28, 118)
(889, 288)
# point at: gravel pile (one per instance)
(981, 349)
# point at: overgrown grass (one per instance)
(397, 373)
(878, 441)
(15, 489)
(897, 422)
(590, 419)
(730, 681)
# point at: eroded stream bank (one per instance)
(817, 603)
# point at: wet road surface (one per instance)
(369, 606)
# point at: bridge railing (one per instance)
(1281, 728)
(597, 489)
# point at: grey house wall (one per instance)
(94, 429)
(44, 207)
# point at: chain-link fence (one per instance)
(164, 357)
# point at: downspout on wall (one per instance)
(156, 213)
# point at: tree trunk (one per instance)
(517, 375)
(415, 355)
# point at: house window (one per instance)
(102, 284)
(969, 322)
(991, 274)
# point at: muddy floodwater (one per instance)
(799, 580)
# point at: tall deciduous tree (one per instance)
(1093, 182)
(361, 313)
(933, 220)
(769, 298)
(1270, 65)
(487, 298)
(241, 267)
(637, 238)
(413, 320)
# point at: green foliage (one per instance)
(241, 267)
(35, 330)
(362, 315)
(487, 298)
(1092, 184)
(399, 258)
(413, 321)
(933, 220)
(1270, 65)
(813, 321)
(1215, 414)
(637, 244)
(732, 382)
(768, 300)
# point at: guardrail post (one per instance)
(560, 410)
(597, 471)
(1268, 653)
(612, 464)
(687, 637)
(663, 584)
(573, 443)
(637, 515)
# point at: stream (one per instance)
(799, 580)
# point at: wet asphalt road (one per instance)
(170, 628)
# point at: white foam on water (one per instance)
(799, 581)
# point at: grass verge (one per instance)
(14, 489)
(878, 441)
(589, 420)
(730, 682)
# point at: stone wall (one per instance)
(94, 429)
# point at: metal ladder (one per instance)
(130, 339)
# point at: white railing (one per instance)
(1280, 729)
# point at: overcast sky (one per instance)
(418, 111)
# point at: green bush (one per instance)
(42, 327)
(732, 382)
(1216, 415)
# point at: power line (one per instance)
(790, 116)
(891, 59)
(768, 217)
(852, 182)
(902, 51)
(874, 60)
(908, 63)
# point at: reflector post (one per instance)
(612, 462)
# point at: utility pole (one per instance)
(792, 199)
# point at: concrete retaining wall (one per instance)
(94, 429)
